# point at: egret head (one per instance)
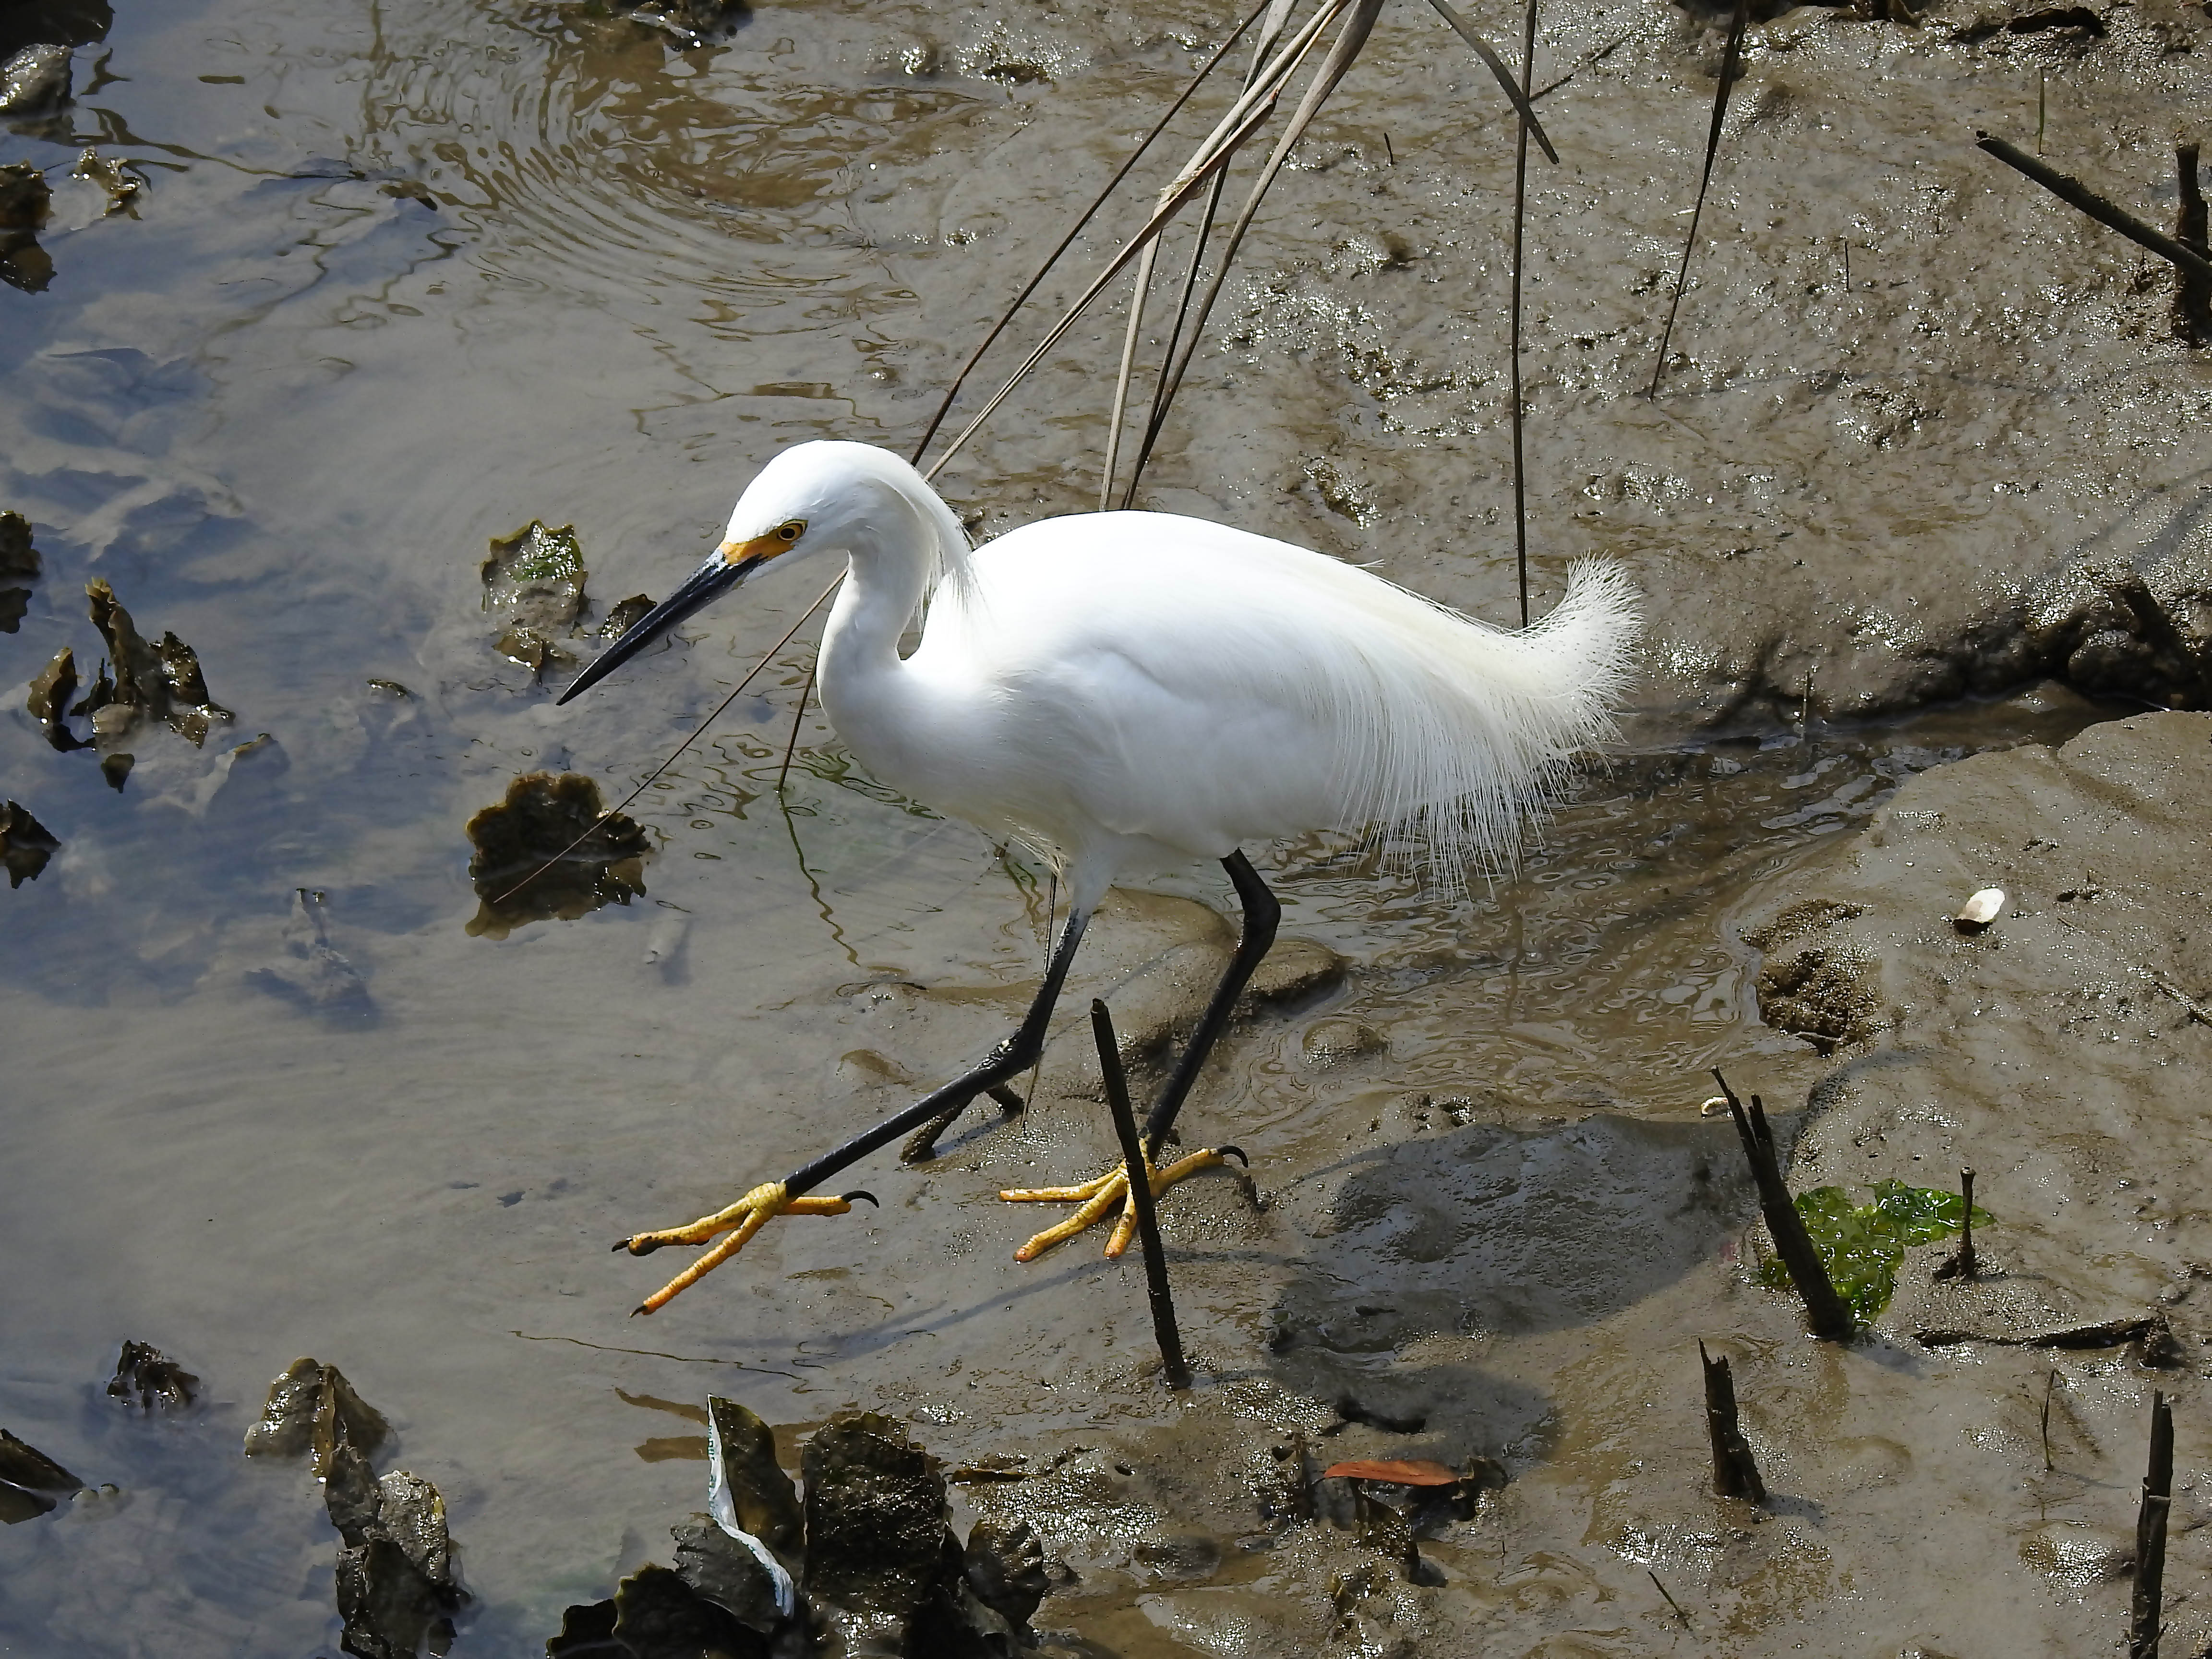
(809, 498)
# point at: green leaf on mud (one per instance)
(1862, 1244)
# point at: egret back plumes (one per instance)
(1125, 689)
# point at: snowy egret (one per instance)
(1121, 691)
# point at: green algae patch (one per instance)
(1861, 1244)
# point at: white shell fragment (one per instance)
(723, 1507)
(1979, 911)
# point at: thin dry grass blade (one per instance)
(1120, 410)
(1731, 60)
(1342, 53)
(1513, 89)
(1180, 194)
(697, 732)
(1520, 225)
(1076, 230)
(1271, 31)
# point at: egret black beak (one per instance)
(700, 589)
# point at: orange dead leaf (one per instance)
(1408, 1472)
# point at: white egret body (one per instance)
(1134, 690)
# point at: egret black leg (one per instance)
(1101, 1197)
(1262, 911)
(742, 1219)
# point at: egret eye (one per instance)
(788, 533)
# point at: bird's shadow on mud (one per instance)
(1488, 1231)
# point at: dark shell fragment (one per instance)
(25, 843)
(149, 1376)
(532, 829)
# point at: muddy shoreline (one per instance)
(1921, 516)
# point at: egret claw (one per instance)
(1101, 1196)
(730, 1229)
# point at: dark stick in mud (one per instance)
(1671, 1602)
(2144, 1623)
(1731, 62)
(2192, 296)
(2076, 194)
(1141, 1198)
(2048, 1383)
(1970, 1266)
(1827, 1312)
(1520, 226)
(1736, 1471)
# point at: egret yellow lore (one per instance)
(1127, 692)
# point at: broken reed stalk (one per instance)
(1736, 1471)
(1969, 1266)
(697, 732)
(1075, 230)
(1827, 1312)
(1671, 1602)
(797, 719)
(1519, 227)
(2192, 297)
(2143, 1621)
(2073, 193)
(1139, 1167)
(2048, 1383)
(1731, 62)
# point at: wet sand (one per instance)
(403, 278)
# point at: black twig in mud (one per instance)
(1671, 1602)
(1966, 1264)
(2072, 191)
(2048, 1383)
(1829, 1314)
(1731, 65)
(1520, 226)
(1075, 230)
(697, 732)
(2192, 295)
(1736, 1471)
(1141, 1198)
(2144, 1624)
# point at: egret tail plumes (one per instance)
(1458, 733)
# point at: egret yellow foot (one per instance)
(1098, 1198)
(740, 1221)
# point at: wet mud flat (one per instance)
(1920, 515)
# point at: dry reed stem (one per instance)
(1731, 62)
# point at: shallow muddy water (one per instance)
(403, 277)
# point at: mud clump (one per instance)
(24, 197)
(25, 843)
(311, 1409)
(18, 568)
(146, 1376)
(31, 1483)
(533, 583)
(35, 81)
(883, 1572)
(395, 1583)
(1819, 994)
(162, 680)
(877, 1531)
(308, 972)
(550, 850)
